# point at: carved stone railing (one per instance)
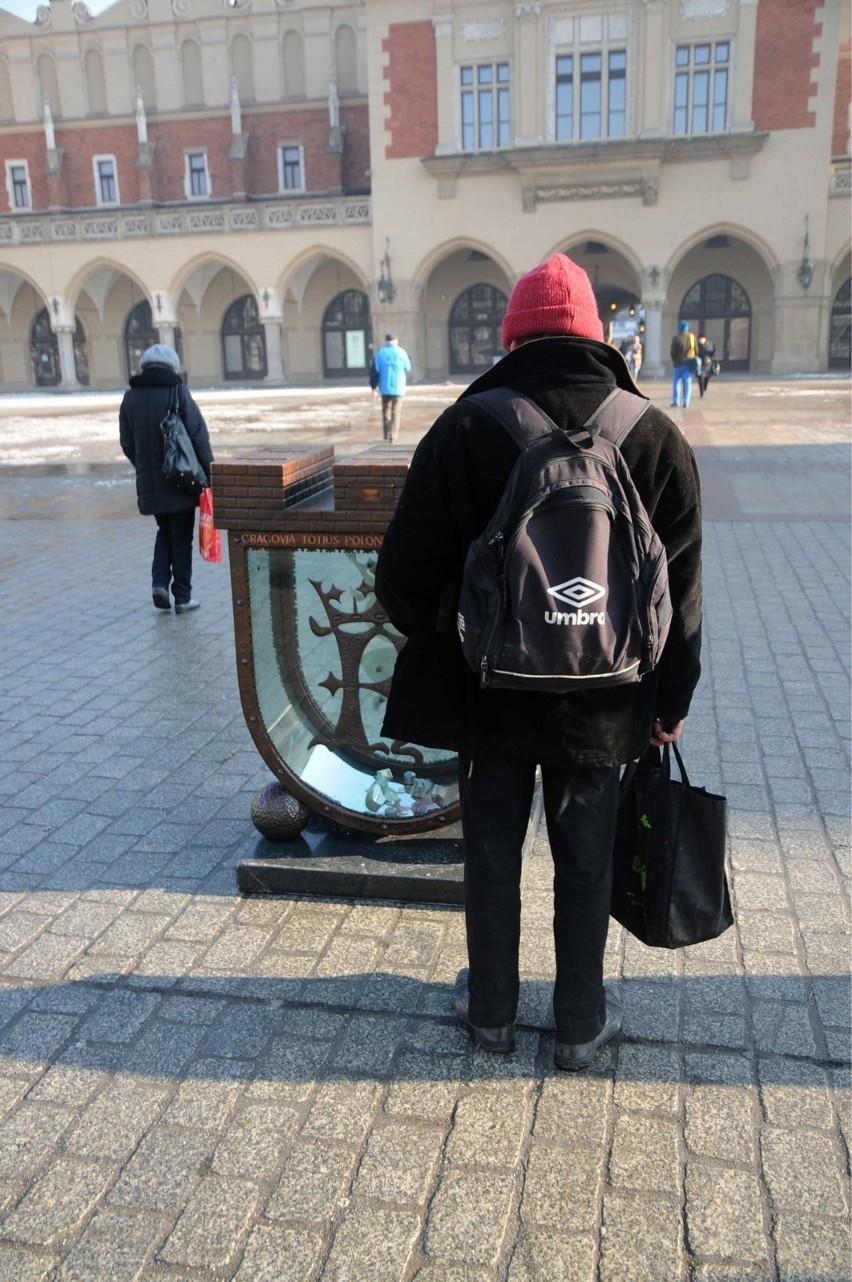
(840, 181)
(185, 220)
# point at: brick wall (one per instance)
(172, 138)
(783, 64)
(411, 98)
(842, 96)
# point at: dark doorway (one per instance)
(44, 352)
(243, 341)
(347, 335)
(719, 307)
(840, 338)
(475, 322)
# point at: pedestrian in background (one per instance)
(683, 354)
(387, 373)
(633, 355)
(557, 357)
(142, 411)
(706, 364)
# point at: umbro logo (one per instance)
(577, 591)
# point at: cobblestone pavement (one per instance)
(199, 1086)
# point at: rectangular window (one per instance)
(291, 168)
(106, 180)
(197, 178)
(592, 104)
(18, 184)
(485, 106)
(701, 87)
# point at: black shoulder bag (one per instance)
(181, 467)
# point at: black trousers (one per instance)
(580, 808)
(172, 564)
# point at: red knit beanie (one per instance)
(556, 298)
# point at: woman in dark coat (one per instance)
(144, 407)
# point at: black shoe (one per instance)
(501, 1041)
(574, 1056)
(161, 599)
(184, 607)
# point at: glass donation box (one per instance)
(315, 651)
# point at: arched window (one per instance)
(345, 61)
(294, 65)
(475, 322)
(840, 342)
(95, 83)
(190, 63)
(143, 76)
(140, 332)
(7, 105)
(346, 335)
(44, 352)
(718, 307)
(48, 85)
(243, 340)
(242, 68)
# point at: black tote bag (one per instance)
(669, 886)
(180, 463)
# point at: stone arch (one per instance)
(191, 73)
(840, 314)
(743, 259)
(142, 63)
(293, 64)
(461, 270)
(7, 102)
(346, 60)
(242, 66)
(21, 299)
(430, 260)
(310, 284)
(48, 85)
(93, 74)
(103, 293)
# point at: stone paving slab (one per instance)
(196, 1085)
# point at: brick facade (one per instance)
(324, 171)
(411, 98)
(783, 63)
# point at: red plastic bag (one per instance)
(209, 538)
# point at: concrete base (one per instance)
(424, 868)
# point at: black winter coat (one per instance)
(455, 481)
(143, 409)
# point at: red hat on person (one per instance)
(556, 298)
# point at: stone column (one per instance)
(652, 359)
(530, 105)
(274, 351)
(67, 365)
(166, 332)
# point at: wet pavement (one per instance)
(197, 1085)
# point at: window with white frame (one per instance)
(291, 167)
(18, 184)
(197, 179)
(485, 105)
(590, 90)
(702, 79)
(106, 180)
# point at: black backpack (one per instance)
(567, 587)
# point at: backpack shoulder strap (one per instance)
(526, 422)
(616, 416)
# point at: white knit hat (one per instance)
(160, 354)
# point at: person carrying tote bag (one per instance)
(153, 392)
(669, 886)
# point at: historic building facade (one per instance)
(268, 184)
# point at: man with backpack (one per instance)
(684, 353)
(544, 627)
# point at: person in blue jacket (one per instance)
(387, 373)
